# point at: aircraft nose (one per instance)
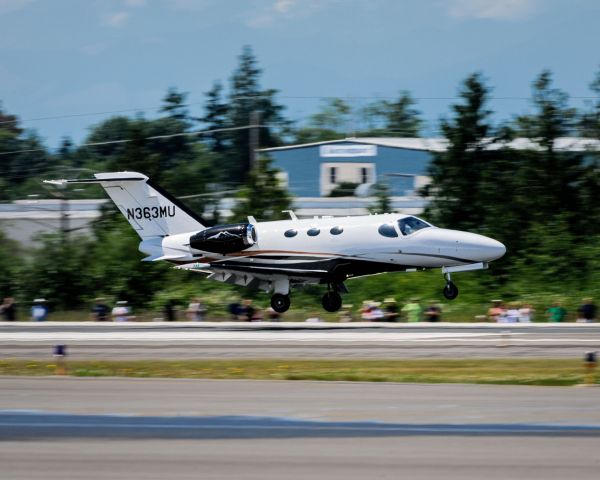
(475, 247)
(490, 249)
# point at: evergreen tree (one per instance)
(263, 196)
(589, 124)
(383, 202)
(174, 105)
(456, 172)
(215, 118)
(249, 104)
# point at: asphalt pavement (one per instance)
(181, 340)
(86, 428)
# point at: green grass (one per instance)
(492, 371)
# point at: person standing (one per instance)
(39, 310)
(196, 310)
(169, 311)
(556, 313)
(120, 312)
(433, 313)
(412, 310)
(100, 310)
(9, 309)
(587, 311)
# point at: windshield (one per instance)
(410, 225)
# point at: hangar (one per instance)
(314, 169)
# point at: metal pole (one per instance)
(253, 137)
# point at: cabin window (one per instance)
(313, 232)
(410, 225)
(291, 233)
(336, 230)
(388, 230)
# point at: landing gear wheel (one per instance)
(332, 301)
(280, 302)
(450, 291)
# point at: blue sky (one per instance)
(71, 57)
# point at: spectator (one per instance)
(512, 314)
(196, 310)
(412, 310)
(371, 311)
(235, 310)
(247, 312)
(526, 313)
(433, 313)
(9, 309)
(100, 310)
(496, 312)
(587, 311)
(121, 312)
(390, 310)
(39, 310)
(556, 313)
(169, 311)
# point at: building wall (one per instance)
(307, 177)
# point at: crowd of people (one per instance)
(519, 312)
(371, 311)
(411, 311)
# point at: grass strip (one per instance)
(481, 371)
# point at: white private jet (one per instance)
(274, 256)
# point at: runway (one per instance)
(185, 340)
(104, 428)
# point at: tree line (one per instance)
(540, 201)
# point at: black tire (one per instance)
(332, 301)
(280, 302)
(450, 291)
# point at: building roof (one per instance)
(437, 144)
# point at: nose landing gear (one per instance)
(450, 290)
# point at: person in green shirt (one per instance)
(412, 310)
(556, 313)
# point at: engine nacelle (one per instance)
(224, 238)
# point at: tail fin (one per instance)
(150, 210)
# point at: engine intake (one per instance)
(224, 238)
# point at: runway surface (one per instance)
(88, 428)
(87, 340)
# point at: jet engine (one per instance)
(224, 238)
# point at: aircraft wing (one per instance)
(260, 275)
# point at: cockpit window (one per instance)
(410, 225)
(387, 230)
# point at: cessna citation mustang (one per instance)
(275, 256)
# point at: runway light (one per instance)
(590, 361)
(60, 354)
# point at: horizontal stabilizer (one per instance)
(148, 208)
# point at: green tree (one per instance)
(589, 123)
(397, 118)
(249, 104)
(383, 202)
(456, 172)
(215, 118)
(263, 196)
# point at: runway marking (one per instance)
(314, 336)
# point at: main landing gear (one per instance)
(450, 290)
(280, 302)
(332, 301)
